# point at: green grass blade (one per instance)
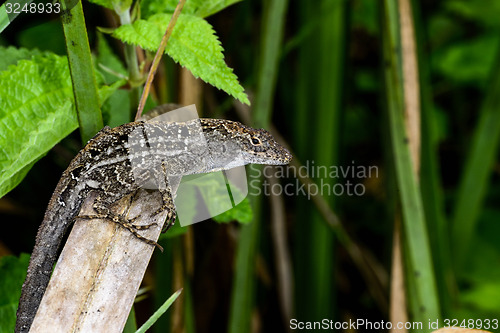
(425, 303)
(330, 63)
(242, 300)
(82, 71)
(430, 182)
(477, 171)
(270, 52)
(303, 90)
(320, 99)
(158, 313)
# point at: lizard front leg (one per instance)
(167, 203)
(167, 188)
(101, 206)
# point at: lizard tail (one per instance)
(55, 224)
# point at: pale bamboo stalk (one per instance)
(100, 269)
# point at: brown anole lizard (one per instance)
(106, 166)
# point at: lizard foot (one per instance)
(168, 224)
(127, 224)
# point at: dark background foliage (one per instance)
(329, 103)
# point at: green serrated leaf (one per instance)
(11, 55)
(12, 274)
(211, 7)
(200, 8)
(193, 45)
(36, 112)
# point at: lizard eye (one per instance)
(256, 141)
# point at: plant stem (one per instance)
(82, 71)
(421, 281)
(242, 301)
(134, 73)
(157, 58)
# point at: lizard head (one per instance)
(254, 145)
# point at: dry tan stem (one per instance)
(412, 122)
(157, 58)
(397, 309)
(282, 255)
(190, 88)
(99, 271)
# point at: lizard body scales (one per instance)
(105, 166)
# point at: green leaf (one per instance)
(210, 191)
(116, 109)
(108, 63)
(193, 45)
(116, 106)
(200, 8)
(12, 274)
(242, 213)
(159, 312)
(152, 7)
(11, 55)
(483, 291)
(209, 7)
(470, 61)
(476, 10)
(106, 92)
(36, 112)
